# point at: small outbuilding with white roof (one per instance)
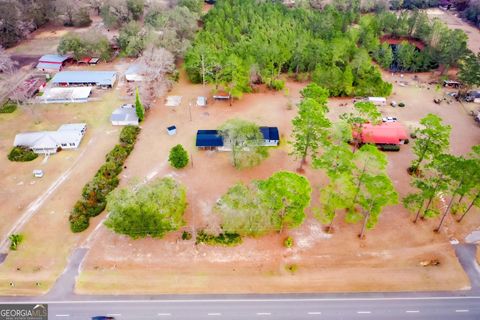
(135, 73)
(124, 116)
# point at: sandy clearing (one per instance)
(388, 260)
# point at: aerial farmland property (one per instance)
(236, 148)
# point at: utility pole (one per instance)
(190, 109)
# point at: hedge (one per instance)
(223, 239)
(8, 107)
(94, 193)
(22, 154)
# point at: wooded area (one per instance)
(244, 43)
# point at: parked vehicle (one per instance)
(451, 84)
(394, 104)
(472, 96)
(389, 119)
(102, 318)
(38, 173)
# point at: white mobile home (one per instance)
(378, 101)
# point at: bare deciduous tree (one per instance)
(158, 64)
(7, 65)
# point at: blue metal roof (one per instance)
(49, 66)
(98, 77)
(209, 138)
(54, 58)
(270, 133)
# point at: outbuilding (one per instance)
(66, 95)
(28, 88)
(53, 62)
(378, 101)
(68, 136)
(85, 78)
(135, 73)
(124, 116)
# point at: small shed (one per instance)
(173, 101)
(221, 95)
(85, 60)
(378, 101)
(94, 60)
(124, 116)
(201, 101)
(172, 130)
(135, 73)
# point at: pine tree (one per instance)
(139, 109)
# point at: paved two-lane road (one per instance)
(304, 307)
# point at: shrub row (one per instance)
(94, 193)
(8, 107)
(223, 239)
(22, 154)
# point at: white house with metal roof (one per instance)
(68, 136)
(124, 116)
(85, 78)
(52, 62)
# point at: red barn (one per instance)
(387, 136)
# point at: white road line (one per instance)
(364, 312)
(214, 314)
(463, 310)
(62, 315)
(412, 311)
(257, 300)
(314, 312)
(263, 314)
(164, 314)
(113, 314)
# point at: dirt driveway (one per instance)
(388, 260)
(454, 22)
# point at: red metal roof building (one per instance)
(52, 62)
(389, 133)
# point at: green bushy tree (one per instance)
(178, 157)
(151, 210)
